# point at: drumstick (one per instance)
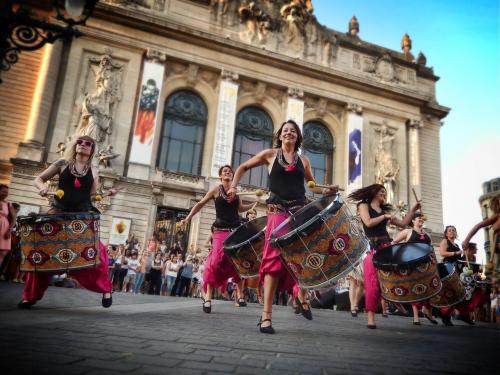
(311, 184)
(59, 193)
(258, 193)
(254, 205)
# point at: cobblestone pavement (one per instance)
(68, 332)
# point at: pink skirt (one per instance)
(218, 266)
(372, 287)
(272, 263)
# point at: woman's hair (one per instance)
(277, 140)
(2, 186)
(446, 229)
(225, 166)
(366, 195)
(70, 153)
(415, 215)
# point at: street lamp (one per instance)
(23, 30)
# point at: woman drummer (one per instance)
(375, 214)
(287, 172)
(218, 267)
(417, 234)
(451, 253)
(79, 183)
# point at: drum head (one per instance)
(304, 220)
(409, 254)
(445, 269)
(245, 233)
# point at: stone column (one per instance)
(33, 148)
(354, 147)
(295, 106)
(414, 159)
(225, 123)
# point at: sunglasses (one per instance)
(83, 142)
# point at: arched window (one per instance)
(318, 147)
(183, 132)
(254, 133)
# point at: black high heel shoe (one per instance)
(431, 319)
(107, 302)
(241, 302)
(206, 309)
(306, 313)
(269, 329)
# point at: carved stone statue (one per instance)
(105, 156)
(296, 14)
(258, 23)
(386, 167)
(98, 107)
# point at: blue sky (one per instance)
(461, 41)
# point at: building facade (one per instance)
(491, 191)
(173, 89)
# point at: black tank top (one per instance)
(287, 187)
(75, 199)
(226, 213)
(419, 237)
(379, 230)
(451, 248)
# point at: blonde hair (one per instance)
(70, 153)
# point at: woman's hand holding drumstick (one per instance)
(331, 189)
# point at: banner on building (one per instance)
(146, 117)
(354, 150)
(120, 229)
(224, 129)
(295, 111)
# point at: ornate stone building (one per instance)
(491, 190)
(172, 89)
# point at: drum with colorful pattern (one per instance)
(245, 246)
(453, 291)
(59, 242)
(321, 242)
(407, 272)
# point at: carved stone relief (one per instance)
(157, 5)
(386, 166)
(97, 107)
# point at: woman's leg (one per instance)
(352, 294)
(270, 285)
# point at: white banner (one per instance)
(224, 129)
(354, 152)
(120, 229)
(295, 111)
(147, 113)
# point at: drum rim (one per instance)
(386, 266)
(333, 280)
(247, 241)
(453, 304)
(274, 240)
(74, 215)
(454, 271)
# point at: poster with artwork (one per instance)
(147, 114)
(224, 129)
(120, 229)
(354, 147)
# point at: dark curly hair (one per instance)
(366, 195)
(300, 138)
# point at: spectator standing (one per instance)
(172, 268)
(133, 266)
(7, 222)
(156, 270)
(163, 247)
(141, 272)
(185, 277)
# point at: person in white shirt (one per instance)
(172, 268)
(133, 267)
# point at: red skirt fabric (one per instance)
(218, 266)
(271, 258)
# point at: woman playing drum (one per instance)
(79, 182)
(417, 234)
(375, 215)
(287, 172)
(451, 253)
(218, 267)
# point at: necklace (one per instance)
(223, 194)
(282, 161)
(74, 172)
